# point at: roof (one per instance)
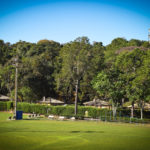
(3, 97)
(50, 100)
(135, 106)
(130, 48)
(146, 106)
(97, 102)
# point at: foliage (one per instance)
(134, 66)
(69, 110)
(120, 71)
(111, 49)
(110, 85)
(80, 61)
(6, 106)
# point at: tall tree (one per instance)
(112, 48)
(75, 56)
(7, 76)
(5, 52)
(80, 62)
(129, 62)
(110, 86)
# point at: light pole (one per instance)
(76, 86)
(76, 97)
(16, 86)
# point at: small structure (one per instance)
(51, 101)
(73, 118)
(61, 118)
(147, 106)
(98, 103)
(50, 117)
(86, 114)
(4, 98)
(136, 106)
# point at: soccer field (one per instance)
(71, 135)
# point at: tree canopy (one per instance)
(117, 71)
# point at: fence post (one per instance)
(100, 117)
(119, 115)
(110, 115)
(105, 115)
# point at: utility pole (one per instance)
(77, 87)
(16, 86)
(76, 97)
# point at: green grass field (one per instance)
(71, 135)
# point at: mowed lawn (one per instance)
(71, 135)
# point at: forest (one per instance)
(118, 72)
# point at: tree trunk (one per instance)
(76, 98)
(94, 102)
(122, 102)
(141, 113)
(132, 110)
(141, 109)
(114, 109)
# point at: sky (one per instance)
(65, 20)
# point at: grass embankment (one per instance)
(71, 135)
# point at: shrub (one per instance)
(68, 111)
(3, 106)
(6, 106)
(9, 105)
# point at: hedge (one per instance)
(6, 106)
(60, 110)
(68, 111)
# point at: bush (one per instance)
(3, 106)
(6, 106)
(68, 111)
(9, 105)
(122, 115)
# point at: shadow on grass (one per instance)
(86, 131)
(32, 119)
(3, 130)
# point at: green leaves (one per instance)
(109, 84)
(82, 61)
(118, 70)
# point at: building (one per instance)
(4, 98)
(51, 101)
(136, 106)
(98, 103)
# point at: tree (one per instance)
(37, 67)
(80, 61)
(75, 57)
(141, 83)
(26, 94)
(5, 52)
(111, 49)
(110, 86)
(7, 76)
(47, 68)
(135, 42)
(130, 64)
(95, 64)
